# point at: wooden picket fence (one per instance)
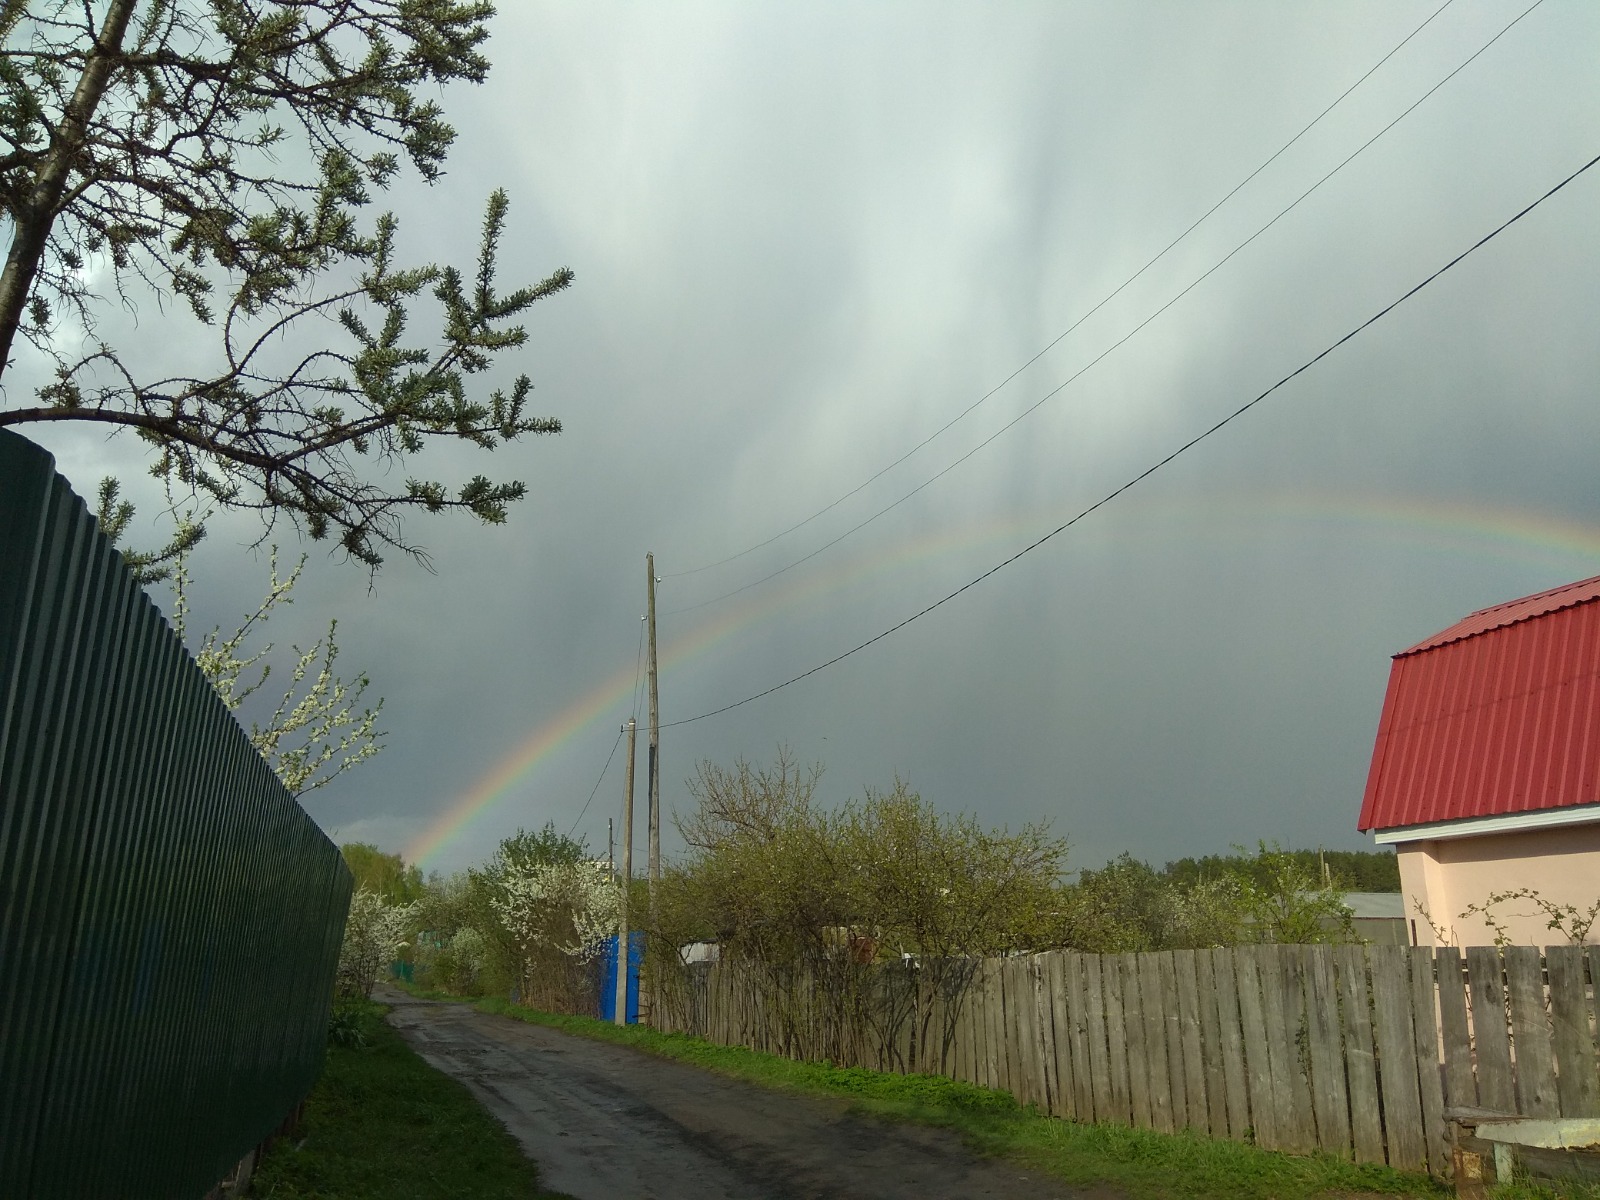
(1352, 1050)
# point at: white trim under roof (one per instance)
(1544, 818)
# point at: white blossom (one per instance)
(567, 907)
(374, 933)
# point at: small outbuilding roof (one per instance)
(1497, 715)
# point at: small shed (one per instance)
(1486, 772)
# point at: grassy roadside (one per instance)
(381, 1124)
(1139, 1162)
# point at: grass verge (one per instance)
(381, 1124)
(1141, 1163)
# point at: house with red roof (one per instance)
(1486, 772)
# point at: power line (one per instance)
(597, 782)
(1081, 371)
(1098, 306)
(638, 661)
(1151, 470)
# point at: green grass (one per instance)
(1141, 1163)
(381, 1124)
(1548, 1189)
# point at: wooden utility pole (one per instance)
(627, 879)
(655, 737)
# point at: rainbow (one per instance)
(1531, 539)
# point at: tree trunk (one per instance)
(38, 212)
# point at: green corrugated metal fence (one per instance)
(172, 917)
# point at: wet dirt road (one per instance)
(612, 1123)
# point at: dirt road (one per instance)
(611, 1123)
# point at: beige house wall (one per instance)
(1441, 878)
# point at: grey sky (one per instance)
(806, 236)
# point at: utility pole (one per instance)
(627, 879)
(655, 738)
(611, 847)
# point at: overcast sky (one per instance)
(806, 236)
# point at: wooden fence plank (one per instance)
(965, 1028)
(1236, 1089)
(1329, 1096)
(1078, 1043)
(1044, 1056)
(1258, 1064)
(1016, 1082)
(1292, 969)
(1158, 1080)
(978, 999)
(1096, 1056)
(1211, 1049)
(1573, 1043)
(999, 1043)
(1430, 1087)
(1045, 1029)
(1491, 1043)
(1530, 1034)
(966, 1052)
(1019, 1025)
(1355, 1024)
(1136, 1047)
(1110, 1086)
(989, 1025)
(1198, 1113)
(1172, 1030)
(1027, 1069)
(1397, 1058)
(1460, 1085)
(1005, 1056)
(1063, 1018)
(1281, 1005)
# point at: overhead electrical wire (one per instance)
(1110, 296)
(594, 790)
(638, 662)
(1053, 392)
(1151, 470)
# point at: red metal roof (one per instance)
(1513, 611)
(1498, 714)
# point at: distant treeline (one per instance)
(1348, 870)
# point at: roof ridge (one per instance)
(1523, 608)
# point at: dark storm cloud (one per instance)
(807, 236)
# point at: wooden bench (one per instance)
(1487, 1146)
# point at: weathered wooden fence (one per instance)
(1353, 1050)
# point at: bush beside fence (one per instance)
(1351, 1050)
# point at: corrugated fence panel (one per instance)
(172, 916)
